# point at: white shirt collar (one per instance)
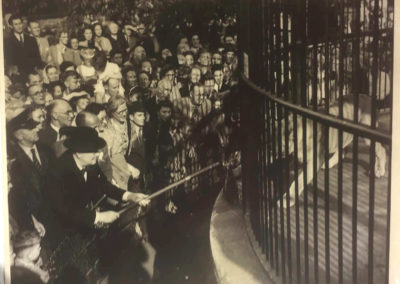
(28, 152)
(56, 129)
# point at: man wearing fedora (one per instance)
(29, 164)
(76, 185)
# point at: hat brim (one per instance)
(85, 146)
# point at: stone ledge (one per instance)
(233, 255)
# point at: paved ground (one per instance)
(182, 243)
(185, 256)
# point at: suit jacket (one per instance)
(44, 49)
(70, 198)
(54, 56)
(25, 197)
(119, 44)
(25, 55)
(48, 136)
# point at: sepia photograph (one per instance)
(199, 141)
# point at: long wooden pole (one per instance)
(171, 186)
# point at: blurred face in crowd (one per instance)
(197, 95)
(229, 40)
(113, 28)
(195, 41)
(131, 78)
(218, 76)
(118, 59)
(37, 95)
(87, 34)
(63, 38)
(127, 31)
(52, 74)
(195, 75)
(165, 53)
(28, 136)
(189, 60)
(144, 80)
(182, 47)
(170, 75)
(34, 79)
(63, 113)
(216, 59)
(230, 55)
(138, 118)
(141, 29)
(139, 54)
(181, 59)
(165, 90)
(209, 86)
(74, 43)
(121, 113)
(134, 97)
(82, 103)
(102, 116)
(184, 40)
(7, 82)
(72, 83)
(205, 59)
(98, 31)
(165, 113)
(146, 66)
(48, 98)
(39, 115)
(57, 93)
(17, 26)
(34, 28)
(113, 87)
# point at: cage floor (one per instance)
(320, 251)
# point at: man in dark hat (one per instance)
(136, 149)
(75, 185)
(28, 170)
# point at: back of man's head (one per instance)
(87, 119)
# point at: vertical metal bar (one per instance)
(315, 92)
(276, 196)
(279, 94)
(327, 101)
(340, 145)
(295, 59)
(356, 90)
(269, 251)
(372, 147)
(286, 137)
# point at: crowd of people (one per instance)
(102, 114)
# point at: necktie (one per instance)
(84, 174)
(140, 133)
(21, 38)
(35, 160)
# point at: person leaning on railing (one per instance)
(75, 185)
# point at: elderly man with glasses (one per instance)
(60, 114)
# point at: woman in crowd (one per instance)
(87, 37)
(72, 54)
(102, 43)
(117, 137)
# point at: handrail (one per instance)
(348, 126)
